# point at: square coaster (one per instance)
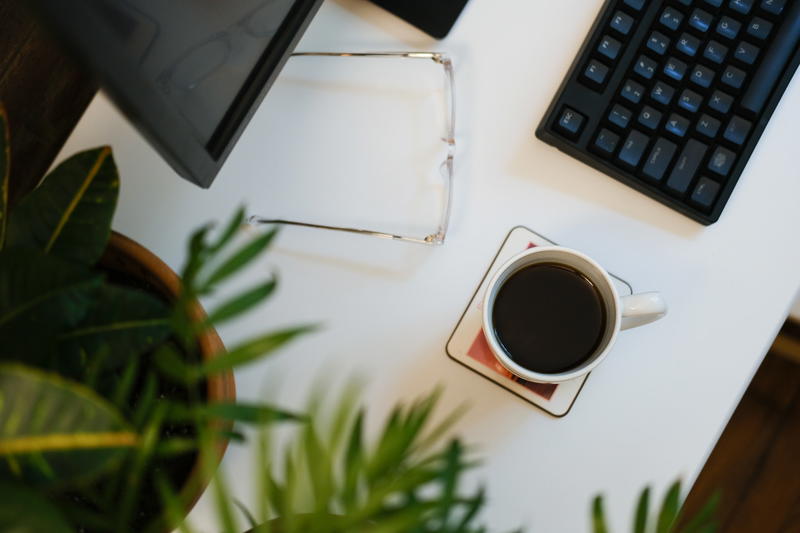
(468, 346)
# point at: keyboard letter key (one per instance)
(633, 148)
(737, 130)
(596, 72)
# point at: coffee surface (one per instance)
(549, 318)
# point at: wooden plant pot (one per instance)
(128, 257)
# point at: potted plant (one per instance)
(332, 478)
(111, 375)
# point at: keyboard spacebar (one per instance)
(774, 61)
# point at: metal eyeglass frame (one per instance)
(446, 168)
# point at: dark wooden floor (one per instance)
(756, 463)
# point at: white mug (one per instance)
(621, 312)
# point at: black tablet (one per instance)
(433, 17)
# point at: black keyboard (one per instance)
(671, 96)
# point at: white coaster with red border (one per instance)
(468, 345)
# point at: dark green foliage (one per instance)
(126, 322)
(25, 510)
(69, 215)
(41, 297)
(87, 411)
(666, 519)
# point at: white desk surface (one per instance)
(650, 413)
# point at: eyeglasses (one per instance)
(445, 168)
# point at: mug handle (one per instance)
(643, 308)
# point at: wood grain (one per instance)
(44, 91)
(755, 464)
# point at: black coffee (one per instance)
(549, 318)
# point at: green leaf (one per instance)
(196, 256)
(642, 510)
(230, 230)
(472, 507)
(174, 510)
(172, 365)
(598, 516)
(250, 351)
(249, 413)
(240, 259)
(241, 303)
(129, 322)
(222, 499)
(449, 479)
(40, 297)
(669, 509)
(77, 433)
(5, 173)
(23, 510)
(258, 414)
(704, 521)
(354, 459)
(69, 214)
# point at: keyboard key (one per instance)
(633, 148)
(690, 100)
(649, 117)
(688, 44)
(746, 53)
(722, 161)
(659, 159)
(675, 69)
(662, 93)
(632, 91)
(728, 27)
(759, 28)
(620, 116)
(596, 72)
(715, 3)
(741, 6)
(686, 2)
(773, 6)
(720, 102)
(705, 192)
(609, 47)
(686, 166)
(571, 122)
(700, 20)
(658, 43)
(715, 51)
(774, 60)
(645, 67)
(622, 22)
(708, 126)
(733, 77)
(635, 4)
(677, 125)
(606, 141)
(737, 130)
(702, 76)
(671, 18)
